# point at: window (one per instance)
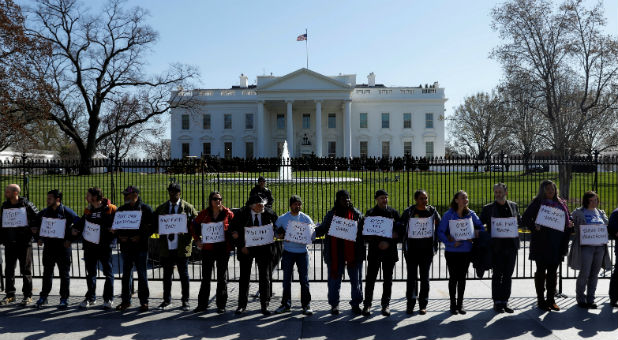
(280, 121)
(185, 122)
(407, 120)
(206, 149)
(429, 120)
(386, 149)
(306, 121)
(332, 149)
(386, 120)
(206, 122)
(185, 149)
(407, 148)
(227, 121)
(364, 149)
(429, 149)
(227, 146)
(332, 121)
(249, 150)
(363, 120)
(249, 121)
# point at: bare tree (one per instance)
(159, 149)
(97, 60)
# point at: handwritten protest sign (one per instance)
(259, 236)
(593, 234)
(213, 232)
(53, 227)
(504, 227)
(343, 228)
(92, 232)
(461, 229)
(127, 220)
(421, 227)
(172, 224)
(299, 232)
(378, 226)
(551, 217)
(14, 218)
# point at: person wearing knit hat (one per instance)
(260, 189)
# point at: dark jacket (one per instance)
(20, 235)
(146, 228)
(547, 245)
(185, 241)
(264, 193)
(612, 229)
(391, 252)
(243, 220)
(104, 217)
(322, 230)
(492, 210)
(61, 212)
(418, 246)
(205, 216)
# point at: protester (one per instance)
(261, 190)
(612, 229)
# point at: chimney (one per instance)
(371, 79)
(244, 81)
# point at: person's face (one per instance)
(344, 201)
(257, 207)
(89, 198)
(593, 202)
(130, 198)
(9, 193)
(422, 200)
(215, 202)
(262, 184)
(499, 194)
(295, 207)
(550, 191)
(174, 195)
(51, 200)
(462, 200)
(382, 201)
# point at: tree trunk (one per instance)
(564, 177)
(85, 159)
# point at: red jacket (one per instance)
(205, 216)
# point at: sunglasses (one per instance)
(217, 199)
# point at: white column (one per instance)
(290, 128)
(347, 128)
(318, 128)
(261, 131)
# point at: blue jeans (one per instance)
(92, 256)
(301, 260)
(139, 258)
(355, 274)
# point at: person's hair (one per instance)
(454, 205)
(96, 192)
(56, 193)
(501, 185)
(211, 196)
(418, 193)
(587, 197)
(14, 188)
(541, 193)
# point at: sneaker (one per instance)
(163, 305)
(307, 311)
(87, 303)
(7, 300)
(185, 306)
(422, 311)
(40, 302)
(108, 305)
(64, 304)
(282, 309)
(26, 301)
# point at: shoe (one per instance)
(543, 305)
(334, 310)
(240, 310)
(163, 305)
(366, 311)
(108, 305)
(582, 305)
(87, 303)
(64, 304)
(553, 306)
(7, 300)
(265, 311)
(143, 307)
(185, 306)
(508, 309)
(26, 301)
(461, 310)
(422, 311)
(221, 310)
(453, 309)
(498, 308)
(307, 311)
(410, 308)
(386, 311)
(613, 303)
(592, 305)
(282, 309)
(123, 306)
(40, 302)
(356, 310)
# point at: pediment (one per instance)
(306, 80)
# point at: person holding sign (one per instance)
(457, 229)
(95, 227)
(382, 250)
(254, 214)
(502, 219)
(211, 233)
(547, 217)
(133, 224)
(18, 217)
(175, 248)
(589, 252)
(340, 253)
(419, 245)
(612, 230)
(295, 252)
(55, 233)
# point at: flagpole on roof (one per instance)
(306, 47)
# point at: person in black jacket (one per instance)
(18, 217)
(261, 190)
(57, 250)
(419, 251)
(612, 229)
(503, 250)
(134, 249)
(253, 214)
(382, 253)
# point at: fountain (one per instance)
(285, 170)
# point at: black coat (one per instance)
(548, 246)
(420, 247)
(62, 212)
(391, 252)
(243, 220)
(104, 217)
(146, 228)
(491, 210)
(19, 235)
(264, 193)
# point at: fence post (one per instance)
(596, 170)
(25, 189)
(111, 173)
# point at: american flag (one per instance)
(302, 37)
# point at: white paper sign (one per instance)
(92, 232)
(172, 224)
(259, 236)
(127, 220)
(299, 232)
(378, 226)
(504, 227)
(213, 232)
(53, 227)
(420, 227)
(14, 218)
(551, 217)
(343, 228)
(593, 234)
(461, 229)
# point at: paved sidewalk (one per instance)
(481, 322)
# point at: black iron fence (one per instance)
(316, 181)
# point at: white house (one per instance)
(329, 116)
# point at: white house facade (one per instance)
(326, 116)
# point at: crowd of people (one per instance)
(350, 238)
